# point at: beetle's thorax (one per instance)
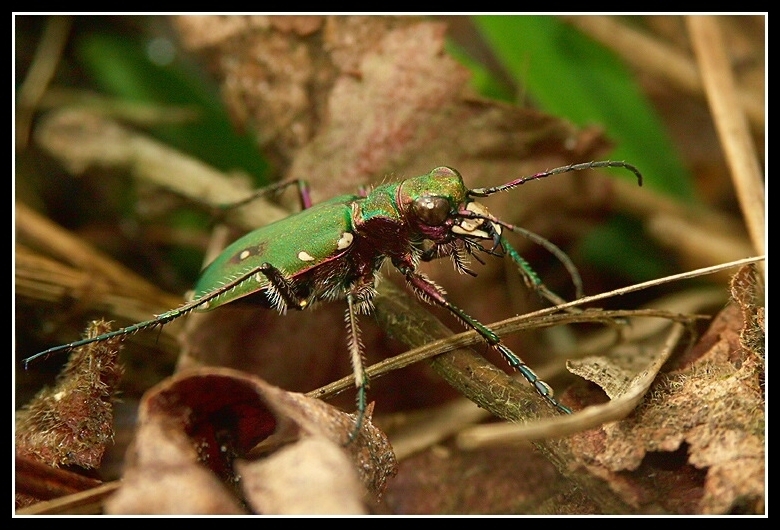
(380, 226)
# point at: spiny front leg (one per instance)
(455, 250)
(533, 282)
(430, 292)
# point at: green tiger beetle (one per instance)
(334, 250)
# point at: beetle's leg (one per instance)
(281, 290)
(531, 278)
(282, 294)
(356, 356)
(458, 254)
(159, 320)
(430, 292)
(303, 194)
(533, 281)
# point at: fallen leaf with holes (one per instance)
(697, 444)
(217, 441)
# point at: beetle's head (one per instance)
(438, 205)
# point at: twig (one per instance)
(592, 416)
(83, 502)
(730, 122)
(41, 71)
(529, 320)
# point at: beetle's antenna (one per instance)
(484, 192)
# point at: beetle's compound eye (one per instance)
(432, 211)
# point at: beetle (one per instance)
(345, 242)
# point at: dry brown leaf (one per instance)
(312, 476)
(698, 444)
(71, 423)
(277, 72)
(695, 444)
(196, 451)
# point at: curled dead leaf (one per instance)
(211, 441)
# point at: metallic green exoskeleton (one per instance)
(334, 250)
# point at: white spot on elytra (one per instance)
(305, 256)
(345, 240)
(244, 255)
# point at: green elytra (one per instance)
(334, 250)
(322, 233)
